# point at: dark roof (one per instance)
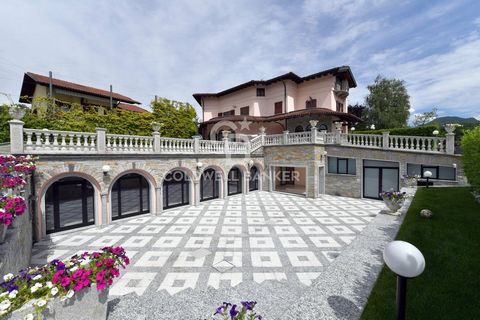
(293, 114)
(287, 76)
(130, 107)
(31, 79)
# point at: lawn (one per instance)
(449, 288)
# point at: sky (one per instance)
(176, 48)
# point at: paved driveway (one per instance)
(221, 243)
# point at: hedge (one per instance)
(471, 156)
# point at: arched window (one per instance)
(322, 126)
(234, 181)
(299, 129)
(130, 196)
(209, 184)
(176, 189)
(253, 180)
(69, 203)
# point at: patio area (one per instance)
(223, 245)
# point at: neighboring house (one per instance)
(66, 93)
(286, 102)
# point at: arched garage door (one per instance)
(69, 203)
(130, 196)
(234, 181)
(253, 180)
(176, 189)
(209, 185)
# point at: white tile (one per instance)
(293, 242)
(185, 220)
(75, 241)
(235, 221)
(258, 214)
(258, 230)
(303, 221)
(175, 282)
(231, 230)
(212, 213)
(105, 241)
(136, 282)
(137, 241)
(198, 242)
(340, 230)
(256, 221)
(275, 214)
(351, 220)
(171, 213)
(233, 278)
(179, 229)
(325, 242)
(318, 213)
(215, 207)
(125, 229)
(307, 277)
(328, 221)
(261, 242)
(95, 229)
(233, 257)
(151, 229)
(347, 239)
(162, 220)
(234, 207)
(140, 220)
(153, 259)
(230, 242)
(192, 213)
(233, 213)
(186, 260)
(266, 259)
(296, 214)
(285, 230)
(358, 227)
(280, 221)
(205, 230)
(208, 220)
(272, 208)
(312, 230)
(303, 259)
(259, 277)
(167, 242)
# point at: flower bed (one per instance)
(227, 311)
(393, 199)
(60, 279)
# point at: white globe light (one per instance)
(106, 169)
(372, 127)
(404, 259)
(435, 132)
(352, 128)
(199, 164)
(427, 174)
(250, 162)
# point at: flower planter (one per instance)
(84, 305)
(393, 206)
(3, 232)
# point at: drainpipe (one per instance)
(284, 96)
(50, 85)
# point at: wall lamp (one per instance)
(199, 166)
(106, 169)
(428, 175)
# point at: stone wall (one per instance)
(16, 251)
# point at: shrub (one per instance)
(471, 156)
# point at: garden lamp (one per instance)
(407, 262)
(428, 175)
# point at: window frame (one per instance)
(242, 109)
(276, 105)
(261, 92)
(347, 165)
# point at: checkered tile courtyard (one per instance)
(224, 242)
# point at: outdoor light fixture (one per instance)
(454, 166)
(372, 127)
(106, 169)
(428, 175)
(250, 163)
(407, 262)
(352, 129)
(435, 132)
(199, 165)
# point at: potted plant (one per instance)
(227, 311)
(17, 111)
(61, 289)
(393, 200)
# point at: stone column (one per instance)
(196, 190)
(262, 134)
(386, 139)
(313, 124)
(225, 140)
(105, 215)
(285, 137)
(246, 180)
(225, 187)
(271, 178)
(156, 142)
(16, 136)
(450, 143)
(158, 200)
(101, 140)
(196, 143)
(338, 132)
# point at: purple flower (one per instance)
(219, 310)
(249, 305)
(233, 312)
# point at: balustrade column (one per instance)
(159, 200)
(105, 216)
(196, 143)
(16, 136)
(338, 132)
(285, 137)
(386, 139)
(450, 143)
(101, 140)
(225, 141)
(156, 142)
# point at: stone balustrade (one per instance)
(41, 141)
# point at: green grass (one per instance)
(449, 288)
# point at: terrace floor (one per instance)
(227, 247)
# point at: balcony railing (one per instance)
(44, 141)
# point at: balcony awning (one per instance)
(293, 114)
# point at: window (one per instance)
(342, 165)
(260, 92)
(298, 129)
(322, 127)
(438, 172)
(245, 111)
(339, 107)
(311, 103)
(220, 114)
(229, 113)
(278, 107)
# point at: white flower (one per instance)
(5, 304)
(13, 294)
(28, 317)
(41, 302)
(49, 284)
(70, 293)
(75, 268)
(37, 277)
(38, 285)
(3, 294)
(33, 289)
(8, 277)
(54, 291)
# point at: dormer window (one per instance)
(311, 103)
(260, 92)
(340, 107)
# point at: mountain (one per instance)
(459, 120)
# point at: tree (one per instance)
(177, 119)
(388, 103)
(426, 117)
(471, 155)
